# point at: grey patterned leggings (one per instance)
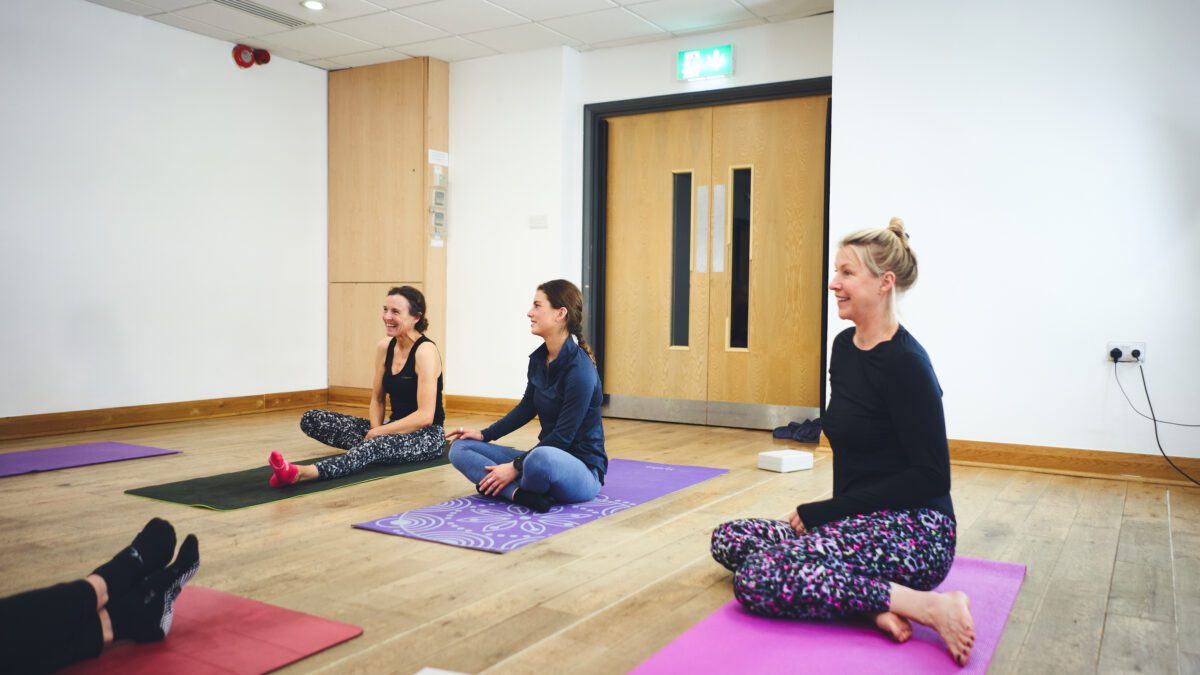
(347, 432)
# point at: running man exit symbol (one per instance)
(697, 64)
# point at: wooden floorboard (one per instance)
(1113, 582)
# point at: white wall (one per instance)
(516, 150)
(1046, 157)
(507, 133)
(164, 220)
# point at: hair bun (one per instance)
(896, 226)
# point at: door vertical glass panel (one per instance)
(681, 259)
(739, 243)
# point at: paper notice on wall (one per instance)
(439, 158)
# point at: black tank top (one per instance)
(401, 388)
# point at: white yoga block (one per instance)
(784, 461)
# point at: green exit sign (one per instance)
(698, 64)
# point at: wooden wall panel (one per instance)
(355, 328)
(376, 172)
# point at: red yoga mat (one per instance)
(731, 640)
(215, 632)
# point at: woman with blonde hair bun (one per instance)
(886, 537)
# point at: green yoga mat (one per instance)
(237, 490)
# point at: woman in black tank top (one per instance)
(408, 371)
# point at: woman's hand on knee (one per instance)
(464, 433)
(796, 522)
(375, 432)
(499, 476)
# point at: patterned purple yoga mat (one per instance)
(732, 640)
(49, 459)
(499, 527)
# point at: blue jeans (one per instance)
(546, 470)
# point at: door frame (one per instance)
(595, 188)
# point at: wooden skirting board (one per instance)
(53, 424)
(1071, 462)
(1066, 461)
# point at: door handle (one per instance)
(702, 228)
(718, 229)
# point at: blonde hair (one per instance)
(883, 250)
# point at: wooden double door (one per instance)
(714, 263)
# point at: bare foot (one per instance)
(950, 615)
(894, 625)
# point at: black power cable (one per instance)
(1131, 405)
(1152, 417)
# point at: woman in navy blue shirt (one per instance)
(886, 538)
(569, 462)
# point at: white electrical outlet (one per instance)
(1127, 349)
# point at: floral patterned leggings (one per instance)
(347, 432)
(837, 569)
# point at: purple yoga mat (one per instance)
(499, 527)
(49, 459)
(731, 640)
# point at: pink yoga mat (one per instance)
(49, 459)
(215, 632)
(731, 640)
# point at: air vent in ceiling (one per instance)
(263, 12)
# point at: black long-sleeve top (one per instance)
(566, 398)
(887, 428)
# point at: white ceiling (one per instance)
(349, 33)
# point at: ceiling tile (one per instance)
(281, 52)
(691, 15)
(396, 4)
(127, 6)
(335, 10)
(319, 42)
(625, 42)
(230, 19)
(370, 58)
(448, 49)
(197, 27)
(171, 5)
(752, 21)
(539, 10)
(325, 65)
(774, 8)
(525, 37)
(462, 16)
(603, 26)
(386, 29)
(784, 18)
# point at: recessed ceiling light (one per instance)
(313, 4)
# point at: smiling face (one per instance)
(544, 319)
(860, 295)
(396, 319)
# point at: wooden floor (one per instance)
(1113, 582)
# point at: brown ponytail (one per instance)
(562, 293)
